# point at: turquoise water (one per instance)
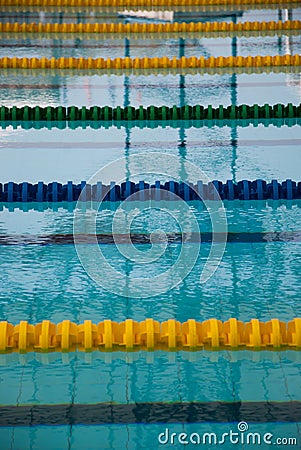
(252, 280)
(53, 285)
(130, 378)
(48, 218)
(136, 377)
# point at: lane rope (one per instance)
(150, 113)
(209, 28)
(156, 63)
(70, 192)
(150, 335)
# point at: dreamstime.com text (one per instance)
(241, 436)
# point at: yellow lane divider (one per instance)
(152, 63)
(142, 3)
(151, 28)
(150, 335)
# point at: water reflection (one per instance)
(97, 15)
(100, 15)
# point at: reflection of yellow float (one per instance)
(155, 28)
(150, 335)
(207, 10)
(143, 3)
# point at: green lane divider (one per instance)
(151, 113)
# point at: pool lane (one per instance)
(79, 46)
(253, 280)
(51, 219)
(19, 88)
(138, 377)
(81, 381)
(221, 153)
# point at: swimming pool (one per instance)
(52, 284)
(143, 399)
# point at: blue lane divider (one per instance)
(112, 195)
(275, 189)
(10, 192)
(99, 191)
(70, 191)
(259, 189)
(56, 192)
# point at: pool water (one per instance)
(127, 379)
(222, 153)
(254, 279)
(101, 400)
